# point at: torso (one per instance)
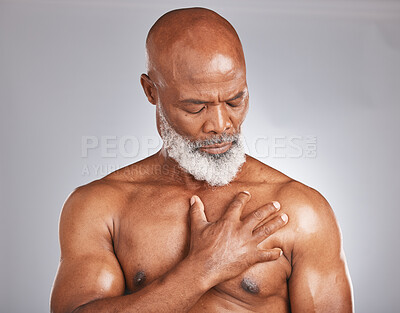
(151, 235)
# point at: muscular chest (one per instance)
(153, 238)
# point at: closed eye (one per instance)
(236, 101)
(234, 105)
(197, 111)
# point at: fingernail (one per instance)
(192, 200)
(284, 217)
(276, 205)
(246, 192)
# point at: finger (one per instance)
(269, 255)
(258, 216)
(270, 227)
(197, 216)
(235, 208)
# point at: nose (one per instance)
(218, 120)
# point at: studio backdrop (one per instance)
(324, 85)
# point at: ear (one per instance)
(149, 88)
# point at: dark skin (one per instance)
(150, 238)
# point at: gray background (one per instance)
(325, 69)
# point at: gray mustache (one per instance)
(215, 140)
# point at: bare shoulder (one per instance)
(87, 219)
(97, 198)
(300, 200)
(313, 228)
(309, 211)
(310, 215)
(105, 196)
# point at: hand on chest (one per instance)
(154, 238)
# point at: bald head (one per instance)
(192, 44)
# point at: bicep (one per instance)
(319, 281)
(84, 279)
(320, 288)
(88, 268)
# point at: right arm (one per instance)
(90, 279)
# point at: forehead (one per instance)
(210, 91)
(195, 73)
(208, 88)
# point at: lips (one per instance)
(217, 148)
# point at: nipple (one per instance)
(139, 279)
(249, 286)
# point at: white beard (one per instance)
(215, 169)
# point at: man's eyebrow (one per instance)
(196, 101)
(240, 94)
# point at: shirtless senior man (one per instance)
(199, 226)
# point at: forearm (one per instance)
(177, 291)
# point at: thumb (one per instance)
(197, 215)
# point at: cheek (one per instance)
(239, 116)
(185, 124)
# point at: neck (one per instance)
(171, 172)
